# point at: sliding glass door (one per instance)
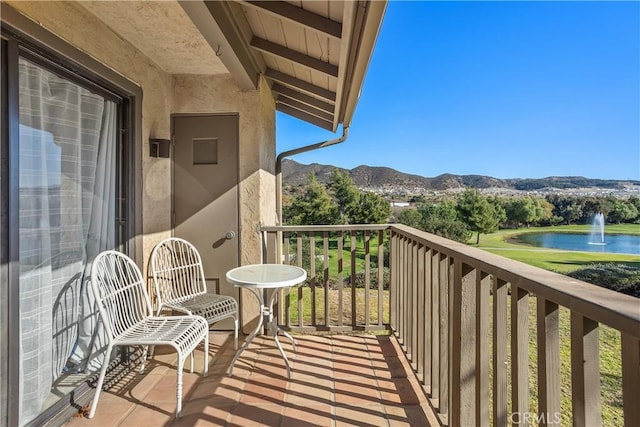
(67, 210)
(67, 185)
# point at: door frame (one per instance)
(237, 185)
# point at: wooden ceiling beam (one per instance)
(302, 97)
(299, 16)
(304, 116)
(304, 107)
(300, 85)
(294, 56)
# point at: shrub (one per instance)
(622, 278)
(373, 279)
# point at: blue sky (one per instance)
(505, 89)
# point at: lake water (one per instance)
(614, 243)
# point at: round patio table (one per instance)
(257, 278)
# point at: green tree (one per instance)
(569, 208)
(371, 209)
(313, 206)
(479, 213)
(635, 201)
(623, 211)
(410, 217)
(345, 192)
(442, 219)
(527, 210)
(520, 210)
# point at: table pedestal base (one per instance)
(266, 313)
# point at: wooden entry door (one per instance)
(205, 194)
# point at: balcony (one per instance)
(435, 332)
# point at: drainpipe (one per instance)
(281, 156)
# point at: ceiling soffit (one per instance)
(162, 31)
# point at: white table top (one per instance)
(266, 275)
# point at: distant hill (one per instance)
(375, 177)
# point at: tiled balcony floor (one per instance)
(337, 380)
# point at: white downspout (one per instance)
(281, 156)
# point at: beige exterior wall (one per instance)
(164, 94)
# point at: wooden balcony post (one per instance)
(352, 238)
(413, 305)
(548, 361)
(435, 326)
(299, 262)
(520, 353)
(483, 285)
(380, 277)
(585, 371)
(393, 277)
(631, 379)
(312, 274)
(341, 279)
(427, 319)
(325, 270)
(443, 283)
(500, 288)
(367, 278)
(420, 315)
(462, 409)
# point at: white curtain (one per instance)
(67, 159)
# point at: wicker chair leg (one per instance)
(103, 372)
(205, 371)
(179, 386)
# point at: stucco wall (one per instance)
(164, 94)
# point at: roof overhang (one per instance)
(314, 54)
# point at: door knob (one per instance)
(230, 235)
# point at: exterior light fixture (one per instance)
(159, 147)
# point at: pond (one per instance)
(614, 243)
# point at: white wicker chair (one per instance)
(180, 284)
(127, 316)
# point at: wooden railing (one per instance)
(469, 321)
(345, 294)
(463, 318)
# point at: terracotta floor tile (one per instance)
(212, 412)
(316, 415)
(165, 389)
(151, 415)
(251, 415)
(310, 391)
(356, 391)
(361, 416)
(263, 390)
(344, 365)
(400, 391)
(336, 380)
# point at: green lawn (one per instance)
(346, 254)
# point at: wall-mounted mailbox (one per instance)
(159, 147)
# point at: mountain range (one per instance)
(376, 177)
